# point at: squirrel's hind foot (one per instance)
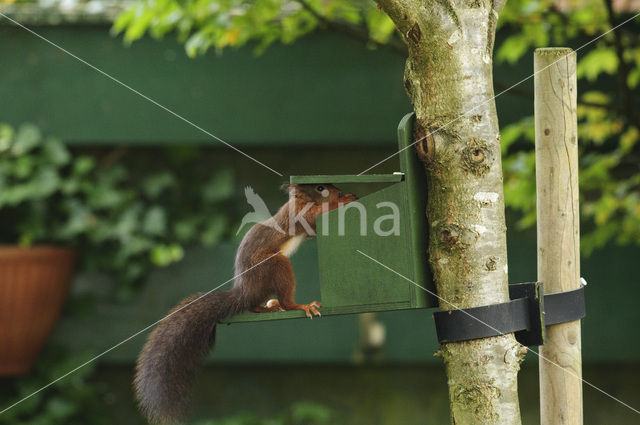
(310, 309)
(271, 306)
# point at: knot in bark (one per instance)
(414, 34)
(453, 236)
(492, 263)
(476, 157)
(407, 85)
(425, 143)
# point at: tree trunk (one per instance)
(448, 77)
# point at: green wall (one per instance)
(324, 89)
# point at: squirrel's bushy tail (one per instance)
(167, 364)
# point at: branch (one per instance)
(401, 12)
(392, 6)
(114, 156)
(498, 5)
(355, 32)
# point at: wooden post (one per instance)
(558, 228)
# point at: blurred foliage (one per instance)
(608, 69)
(124, 213)
(73, 400)
(202, 24)
(80, 399)
(301, 413)
(608, 112)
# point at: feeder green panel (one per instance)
(372, 254)
(376, 226)
(364, 178)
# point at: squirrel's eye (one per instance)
(320, 188)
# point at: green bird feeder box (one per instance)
(387, 225)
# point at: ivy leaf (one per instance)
(79, 218)
(309, 412)
(186, 228)
(56, 152)
(44, 182)
(154, 185)
(60, 409)
(214, 230)
(128, 222)
(82, 165)
(220, 187)
(155, 221)
(102, 196)
(6, 137)
(23, 166)
(26, 139)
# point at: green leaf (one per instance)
(128, 222)
(512, 48)
(219, 187)
(56, 152)
(215, 228)
(155, 221)
(634, 78)
(23, 166)
(103, 196)
(137, 27)
(83, 165)
(6, 137)
(79, 219)
(597, 61)
(311, 413)
(628, 139)
(163, 255)
(123, 20)
(186, 228)
(26, 139)
(45, 182)
(381, 27)
(154, 185)
(61, 409)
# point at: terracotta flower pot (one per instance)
(34, 283)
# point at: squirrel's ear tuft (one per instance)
(285, 187)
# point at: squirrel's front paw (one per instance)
(312, 308)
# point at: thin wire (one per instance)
(175, 114)
(132, 336)
(497, 330)
(496, 96)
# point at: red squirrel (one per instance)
(167, 364)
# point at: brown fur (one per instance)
(168, 362)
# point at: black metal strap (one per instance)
(482, 322)
(564, 307)
(526, 315)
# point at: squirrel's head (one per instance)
(318, 194)
(311, 200)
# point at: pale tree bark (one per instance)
(448, 77)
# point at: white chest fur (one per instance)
(291, 246)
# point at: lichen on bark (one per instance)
(448, 77)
